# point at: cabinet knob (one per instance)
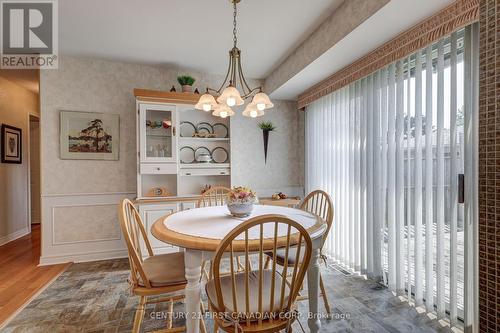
(222, 173)
(158, 169)
(188, 173)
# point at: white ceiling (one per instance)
(189, 33)
(387, 23)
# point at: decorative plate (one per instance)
(220, 155)
(204, 129)
(188, 130)
(220, 130)
(203, 155)
(186, 155)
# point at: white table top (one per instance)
(214, 223)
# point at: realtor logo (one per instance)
(29, 34)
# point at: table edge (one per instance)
(163, 234)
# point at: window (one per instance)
(391, 150)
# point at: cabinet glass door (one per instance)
(157, 127)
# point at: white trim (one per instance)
(15, 235)
(85, 240)
(79, 251)
(52, 195)
(83, 257)
(28, 164)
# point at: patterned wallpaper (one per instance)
(104, 86)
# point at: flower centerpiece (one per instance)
(240, 201)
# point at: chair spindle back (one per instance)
(261, 234)
(134, 232)
(319, 203)
(216, 196)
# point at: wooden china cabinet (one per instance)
(179, 151)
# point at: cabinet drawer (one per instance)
(159, 169)
(206, 172)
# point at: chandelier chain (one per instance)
(235, 12)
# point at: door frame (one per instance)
(28, 150)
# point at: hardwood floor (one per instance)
(20, 276)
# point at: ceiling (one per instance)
(196, 34)
(392, 19)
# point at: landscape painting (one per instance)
(89, 135)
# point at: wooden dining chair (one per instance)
(154, 276)
(216, 196)
(260, 300)
(319, 203)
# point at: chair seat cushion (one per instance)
(253, 287)
(292, 255)
(165, 269)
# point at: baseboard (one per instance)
(13, 236)
(83, 257)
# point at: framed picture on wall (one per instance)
(12, 150)
(89, 136)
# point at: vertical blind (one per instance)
(389, 149)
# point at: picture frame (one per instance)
(89, 136)
(12, 144)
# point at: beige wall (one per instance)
(104, 86)
(16, 103)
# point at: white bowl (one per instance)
(240, 210)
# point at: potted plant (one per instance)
(186, 82)
(266, 127)
(240, 201)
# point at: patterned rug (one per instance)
(94, 297)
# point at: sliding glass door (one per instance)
(391, 150)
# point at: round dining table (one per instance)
(199, 232)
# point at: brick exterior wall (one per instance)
(489, 166)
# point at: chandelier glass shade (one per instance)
(223, 111)
(206, 103)
(252, 111)
(235, 88)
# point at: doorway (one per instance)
(34, 170)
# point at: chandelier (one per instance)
(221, 100)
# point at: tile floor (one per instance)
(94, 297)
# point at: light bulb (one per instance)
(253, 113)
(231, 101)
(261, 106)
(223, 114)
(207, 107)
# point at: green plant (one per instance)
(267, 126)
(185, 80)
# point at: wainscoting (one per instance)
(85, 227)
(81, 227)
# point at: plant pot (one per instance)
(265, 135)
(187, 88)
(240, 209)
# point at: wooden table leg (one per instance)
(313, 321)
(192, 262)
